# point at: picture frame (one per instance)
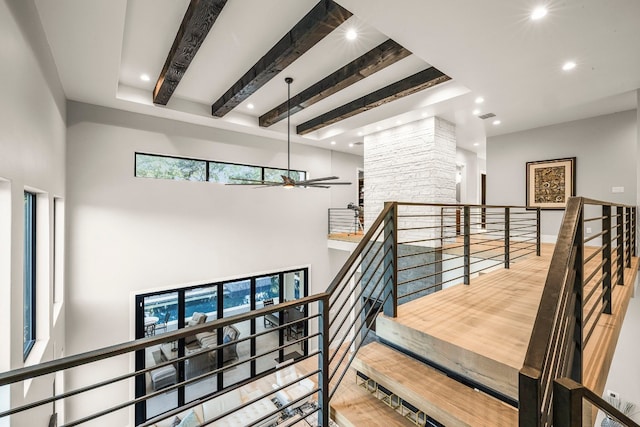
(550, 183)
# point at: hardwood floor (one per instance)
(480, 331)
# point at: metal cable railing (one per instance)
(594, 246)
(410, 250)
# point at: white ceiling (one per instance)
(490, 48)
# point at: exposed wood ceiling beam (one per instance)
(412, 84)
(196, 23)
(317, 24)
(375, 60)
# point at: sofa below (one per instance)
(228, 401)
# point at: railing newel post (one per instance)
(507, 232)
(567, 403)
(606, 258)
(467, 245)
(538, 216)
(627, 223)
(620, 244)
(634, 230)
(391, 250)
(323, 363)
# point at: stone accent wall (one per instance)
(415, 162)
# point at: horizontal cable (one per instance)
(407, 295)
(595, 271)
(585, 341)
(593, 255)
(594, 288)
(588, 239)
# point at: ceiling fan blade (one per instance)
(326, 178)
(325, 183)
(313, 186)
(246, 181)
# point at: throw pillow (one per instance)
(191, 420)
(226, 339)
(175, 422)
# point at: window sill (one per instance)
(35, 356)
(57, 309)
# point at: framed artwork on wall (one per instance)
(550, 183)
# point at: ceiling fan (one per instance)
(287, 181)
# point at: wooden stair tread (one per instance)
(353, 406)
(439, 396)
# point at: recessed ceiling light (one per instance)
(496, 122)
(352, 34)
(424, 114)
(398, 122)
(250, 106)
(569, 65)
(360, 133)
(351, 145)
(539, 12)
(333, 143)
(378, 128)
(476, 112)
(479, 100)
(145, 77)
(475, 144)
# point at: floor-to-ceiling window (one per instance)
(161, 312)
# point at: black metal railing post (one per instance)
(467, 245)
(507, 228)
(634, 231)
(620, 243)
(567, 403)
(323, 363)
(578, 314)
(390, 250)
(329, 221)
(538, 231)
(606, 258)
(627, 223)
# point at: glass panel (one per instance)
(237, 299)
(226, 172)
(267, 293)
(293, 289)
(156, 308)
(274, 175)
(201, 306)
(149, 166)
(29, 335)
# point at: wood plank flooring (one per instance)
(480, 331)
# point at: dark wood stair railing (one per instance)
(562, 328)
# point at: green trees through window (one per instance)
(184, 169)
(148, 166)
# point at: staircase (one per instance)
(443, 349)
(453, 358)
(414, 334)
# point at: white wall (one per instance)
(346, 167)
(605, 148)
(32, 148)
(470, 185)
(130, 234)
(625, 370)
